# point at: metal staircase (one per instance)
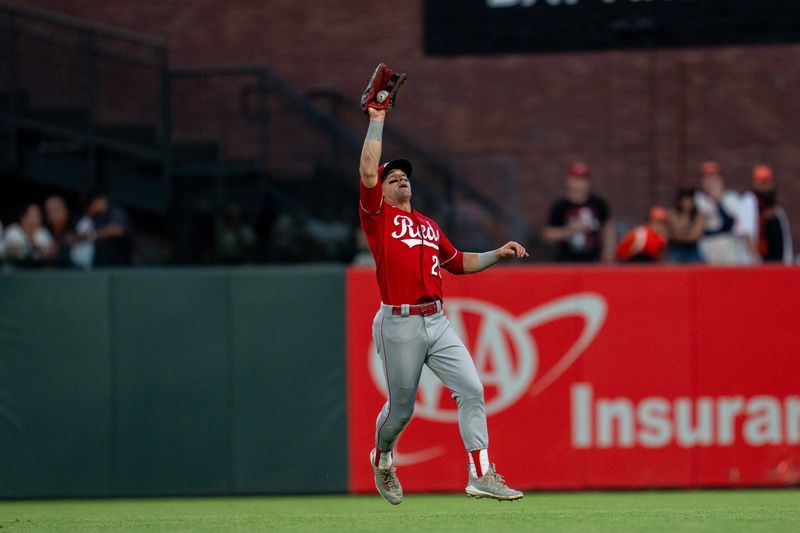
(86, 106)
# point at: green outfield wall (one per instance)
(172, 382)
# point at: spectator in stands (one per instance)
(719, 245)
(332, 236)
(113, 233)
(236, 240)
(27, 242)
(82, 252)
(61, 228)
(685, 228)
(645, 243)
(291, 240)
(265, 221)
(579, 223)
(763, 222)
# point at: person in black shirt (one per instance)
(113, 239)
(774, 242)
(580, 223)
(686, 227)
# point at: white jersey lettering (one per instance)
(419, 233)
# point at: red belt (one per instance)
(418, 310)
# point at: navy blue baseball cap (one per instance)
(402, 164)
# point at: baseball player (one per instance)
(410, 329)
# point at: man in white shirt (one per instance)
(720, 244)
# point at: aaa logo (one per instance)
(504, 350)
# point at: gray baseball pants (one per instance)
(405, 343)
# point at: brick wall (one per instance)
(643, 120)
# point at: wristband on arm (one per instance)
(375, 130)
(486, 259)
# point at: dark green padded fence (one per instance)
(172, 382)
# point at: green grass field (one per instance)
(723, 511)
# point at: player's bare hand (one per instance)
(376, 114)
(511, 249)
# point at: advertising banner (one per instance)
(600, 378)
(454, 27)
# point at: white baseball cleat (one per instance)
(386, 481)
(491, 485)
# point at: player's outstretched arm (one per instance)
(371, 151)
(475, 262)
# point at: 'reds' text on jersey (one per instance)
(409, 249)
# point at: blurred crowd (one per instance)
(50, 235)
(93, 232)
(707, 224)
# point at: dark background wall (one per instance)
(172, 382)
(643, 119)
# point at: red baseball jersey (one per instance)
(409, 249)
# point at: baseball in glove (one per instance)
(382, 89)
